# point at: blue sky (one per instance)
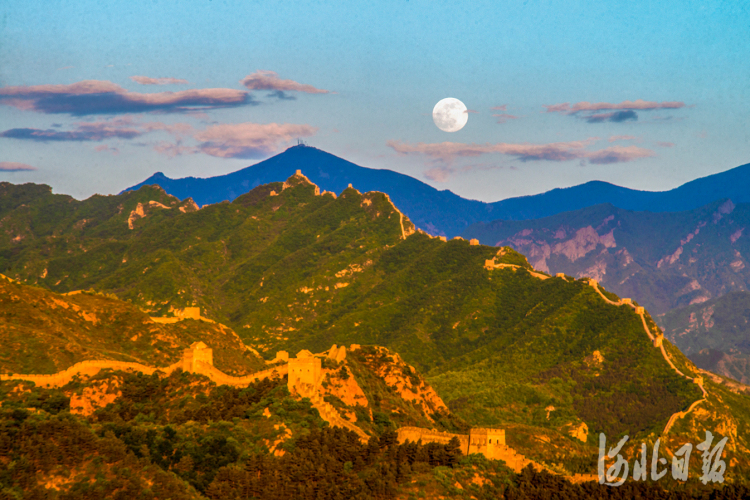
(656, 93)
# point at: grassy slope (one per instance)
(45, 332)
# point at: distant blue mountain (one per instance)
(444, 212)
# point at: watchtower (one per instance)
(198, 352)
(305, 369)
(486, 441)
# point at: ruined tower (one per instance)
(304, 372)
(198, 352)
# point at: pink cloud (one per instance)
(559, 151)
(502, 107)
(13, 166)
(269, 80)
(622, 138)
(145, 80)
(249, 140)
(471, 111)
(504, 117)
(172, 150)
(618, 154)
(665, 144)
(103, 97)
(177, 129)
(104, 147)
(638, 104)
(448, 151)
(439, 174)
(557, 108)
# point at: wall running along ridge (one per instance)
(658, 341)
(304, 371)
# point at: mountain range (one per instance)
(551, 359)
(444, 212)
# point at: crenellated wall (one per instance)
(304, 371)
(486, 441)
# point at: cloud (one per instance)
(665, 144)
(622, 138)
(502, 107)
(249, 140)
(179, 130)
(557, 108)
(615, 117)
(504, 117)
(618, 154)
(448, 151)
(559, 151)
(104, 147)
(122, 128)
(12, 166)
(471, 111)
(269, 80)
(638, 104)
(176, 149)
(280, 94)
(146, 80)
(117, 128)
(91, 97)
(439, 174)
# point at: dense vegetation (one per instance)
(289, 269)
(182, 437)
(44, 332)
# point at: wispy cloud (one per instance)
(269, 80)
(92, 97)
(447, 152)
(504, 117)
(281, 95)
(108, 149)
(12, 166)
(618, 154)
(122, 128)
(638, 104)
(146, 80)
(665, 144)
(249, 140)
(614, 116)
(241, 140)
(599, 112)
(622, 138)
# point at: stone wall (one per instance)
(89, 368)
(304, 371)
(486, 441)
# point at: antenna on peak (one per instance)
(301, 143)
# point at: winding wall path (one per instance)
(658, 341)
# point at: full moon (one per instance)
(450, 115)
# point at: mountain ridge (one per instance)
(442, 212)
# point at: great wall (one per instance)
(658, 342)
(305, 376)
(486, 441)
